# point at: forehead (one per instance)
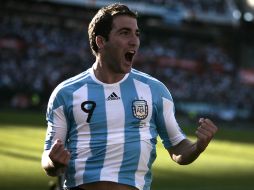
(124, 21)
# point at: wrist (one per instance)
(199, 148)
(53, 171)
(50, 168)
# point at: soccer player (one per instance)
(103, 123)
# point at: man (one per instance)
(103, 123)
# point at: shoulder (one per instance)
(157, 87)
(73, 83)
(70, 85)
(144, 77)
(77, 80)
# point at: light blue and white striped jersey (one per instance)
(111, 129)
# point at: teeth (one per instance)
(132, 51)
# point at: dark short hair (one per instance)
(101, 24)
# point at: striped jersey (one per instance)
(111, 129)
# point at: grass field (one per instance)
(227, 164)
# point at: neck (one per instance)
(105, 75)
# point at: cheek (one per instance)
(113, 55)
(115, 49)
(113, 46)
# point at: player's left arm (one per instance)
(186, 151)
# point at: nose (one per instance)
(134, 41)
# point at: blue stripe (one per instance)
(132, 145)
(58, 101)
(158, 93)
(98, 132)
(148, 175)
(147, 79)
(143, 76)
(72, 129)
(153, 141)
(76, 78)
(159, 90)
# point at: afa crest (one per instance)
(140, 109)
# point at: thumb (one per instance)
(58, 141)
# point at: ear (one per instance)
(100, 41)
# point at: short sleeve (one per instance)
(167, 126)
(56, 120)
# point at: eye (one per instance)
(124, 33)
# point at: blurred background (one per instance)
(202, 50)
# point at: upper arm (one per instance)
(56, 120)
(167, 126)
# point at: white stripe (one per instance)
(146, 149)
(53, 96)
(144, 93)
(75, 79)
(173, 130)
(62, 85)
(115, 133)
(136, 72)
(83, 131)
(58, 128)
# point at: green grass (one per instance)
(227, 164)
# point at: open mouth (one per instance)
(129, 56)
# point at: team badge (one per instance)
(140, 109)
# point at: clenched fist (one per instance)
(59, 155)
(205, 133)
(55, 160)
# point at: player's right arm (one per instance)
(55, 160)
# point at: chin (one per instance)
(126, 70)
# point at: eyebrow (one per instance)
(128, 29)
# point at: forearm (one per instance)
(185, 152)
